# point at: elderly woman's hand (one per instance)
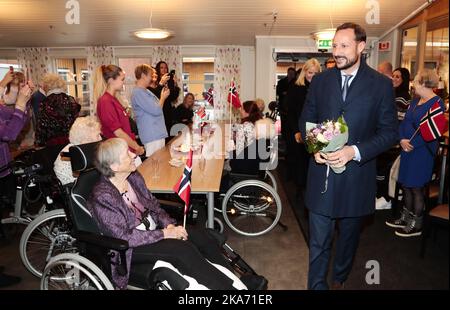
(175, 232)
(406, 145)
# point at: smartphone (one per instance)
(11, 68)
(172, 73)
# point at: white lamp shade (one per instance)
(326, 34)
(152, 33)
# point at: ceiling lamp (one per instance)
(152, 33)
(326, 34)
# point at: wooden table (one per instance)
(161, 177)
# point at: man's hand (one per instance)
(319, 158)
(340, 158)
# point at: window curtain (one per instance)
(227, 67)
(172, 56)
(35, 62)
(97, 56)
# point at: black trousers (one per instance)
(189, 257)
(321, 230)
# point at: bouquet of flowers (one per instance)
(326, 137)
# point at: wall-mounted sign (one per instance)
(384, 46)
(322, 44)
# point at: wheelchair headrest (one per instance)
(45, 157)
(273, 105)
(81, 217)
(82, 156)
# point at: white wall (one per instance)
(392, 56)
(248, 82)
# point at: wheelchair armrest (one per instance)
(170, 203)
(102, 241)
(244, 176)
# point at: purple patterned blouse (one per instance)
(117, 220)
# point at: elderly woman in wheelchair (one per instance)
(251, 205)
(123, 208)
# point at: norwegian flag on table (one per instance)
(183, 186)
(233, 96)
(209, 96)
(433, 124)
(201, 113)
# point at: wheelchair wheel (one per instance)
(218, 225)
(269, 178)
(70, 271)
(251, 208)
(46, 236)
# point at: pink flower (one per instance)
(328, 135)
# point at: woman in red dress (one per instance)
(114, 119)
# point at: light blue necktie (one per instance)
(345, 87)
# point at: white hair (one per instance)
(84, 129)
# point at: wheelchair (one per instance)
(49, 233)
(250, 203)
(34, 187)
(88, 266)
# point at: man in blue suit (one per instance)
(366, 100)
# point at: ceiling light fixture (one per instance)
(324, 38)
(152, 33)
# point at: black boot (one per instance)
(402, 221)
(413, 228)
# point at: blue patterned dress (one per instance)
(416, 167)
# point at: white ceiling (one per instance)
(195, 22)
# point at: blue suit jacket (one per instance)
(370, 113)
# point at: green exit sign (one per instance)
(324, 43)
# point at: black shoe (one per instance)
(404, 232)
(254, 282)
(7, 280)
(398, 223)
(402, 221)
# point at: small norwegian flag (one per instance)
(433, 124)
(183, 186)
(201, 113)
(233, 96)
(209, 96)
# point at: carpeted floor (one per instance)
(400, 264)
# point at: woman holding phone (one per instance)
(166, 79)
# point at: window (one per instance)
(409, 50)
(198, 76)
(5, 64)
(74, 72)
(436, 57)
(209, 81)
